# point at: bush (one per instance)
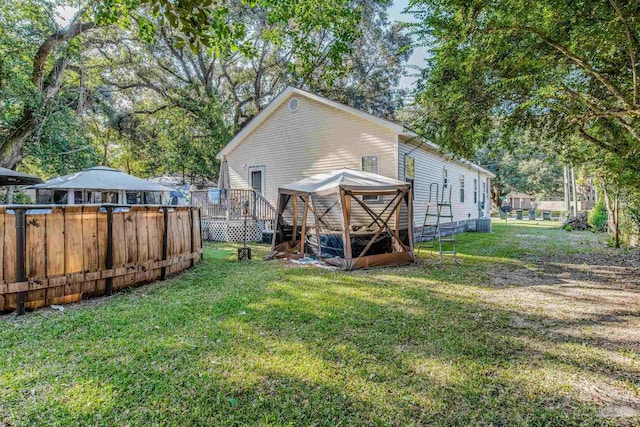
(19, 198)
(598, 217)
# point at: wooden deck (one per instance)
(231, 205)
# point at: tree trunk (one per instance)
(495, 196)
(12, 146)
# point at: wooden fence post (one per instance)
(201, 239)
(21, 254)
(193, 235)
(165, 243)
(109, 261)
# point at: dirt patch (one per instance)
(532, 236)
(520, 322)
(504, 275)
(619, 411)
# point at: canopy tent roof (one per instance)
(100, 178)
(324, 215)
(345, 179)
(11, 177)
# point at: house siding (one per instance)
(316, 138)
(429, 168)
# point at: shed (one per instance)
(348, 218)
(100, 185)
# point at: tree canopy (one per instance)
(159, 86)
(560, 69)
(563, 72)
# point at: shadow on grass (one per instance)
(265, 343)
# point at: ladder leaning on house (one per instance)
(443, 229)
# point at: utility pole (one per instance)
(574, 190)
(567, 192)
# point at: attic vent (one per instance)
(294, 104)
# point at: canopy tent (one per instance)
(102, 185)
(346, 218)
(11, 177)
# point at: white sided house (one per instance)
(300, 134)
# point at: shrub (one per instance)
(598, 217)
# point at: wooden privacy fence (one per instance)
(61, 254)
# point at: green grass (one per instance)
(268, 343)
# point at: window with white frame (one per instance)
(461, 188)
(475, 191)
(484, 193)
(371, 164)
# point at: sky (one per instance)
(419, 53)
(395, 14)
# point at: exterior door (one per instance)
(256, 179)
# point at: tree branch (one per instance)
(578, 60)
(50, 43)
(631, 48)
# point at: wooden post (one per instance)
(201, 239)
(254, 213)
(346, 214)
(227, 194)
(193, 261)
(294, 233)
(397, 225)
(165, 242)
(304, 225)
(21, 253)
(315, 218)
(108, 264)
(410, 219)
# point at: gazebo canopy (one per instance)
(345, 179)
(100, 178)
(347, 218)
(11, 177)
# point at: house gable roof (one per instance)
(396, 128)
(282, 97)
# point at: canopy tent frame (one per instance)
(299, 203)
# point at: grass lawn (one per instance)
(537, 326)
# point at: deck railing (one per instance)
(231, 203)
